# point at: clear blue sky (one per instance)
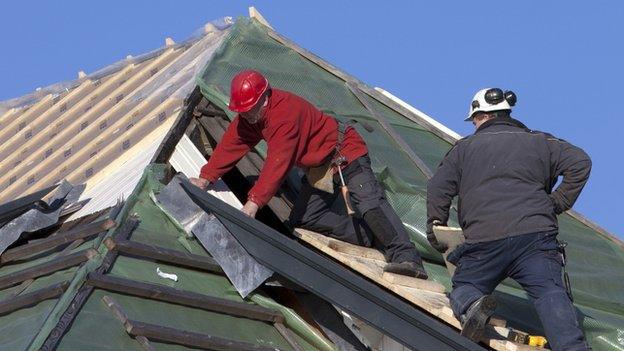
(564, 59)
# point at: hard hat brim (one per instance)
(240, 109)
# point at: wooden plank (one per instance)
(46, 268)
(421, 284)
(53, 291)
(119, 313)
(451, 237)
(354, 250)
(189, 339)
(108, 107)
(403, 145)
(161, 254)
(434, 302)
(59, 239)
(183, 298)
(373, 269)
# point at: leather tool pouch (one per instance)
(322, 177)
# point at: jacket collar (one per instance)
(501, 121)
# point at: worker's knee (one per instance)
(366, 194)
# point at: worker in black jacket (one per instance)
(504, 176)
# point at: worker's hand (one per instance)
(250, 209)
(200, 183)
(431, 238)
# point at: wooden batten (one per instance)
(36, 123)
(18, 302)
(8, 116)
(183, 298)
(122, 317)
(107, 107)
(402, 144)
(12, 127)
(54, 241)
(40, 142)
(46, 268)
(81, 160)
(108, 160)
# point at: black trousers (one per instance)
(534, 261)
(374, 224)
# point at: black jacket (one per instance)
(504, 175)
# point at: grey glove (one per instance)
(432, 238)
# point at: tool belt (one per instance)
(322, 177)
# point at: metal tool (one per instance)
(566, 277)
(343, 186)
(526, 339)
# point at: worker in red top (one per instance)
(298, 134)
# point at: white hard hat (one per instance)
(491, 99)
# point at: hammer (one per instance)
(343, 186)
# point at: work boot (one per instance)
(408, 268)
(477, 316)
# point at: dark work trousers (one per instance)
(375, 223)
(534, 261)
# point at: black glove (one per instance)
(432, 238)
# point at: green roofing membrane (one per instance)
(95, 327)
(596, 263)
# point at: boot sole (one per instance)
(475, 326)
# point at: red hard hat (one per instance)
(247, 88)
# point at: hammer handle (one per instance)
(345, 196)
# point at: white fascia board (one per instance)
(444, 129)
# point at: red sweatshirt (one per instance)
(297, 134)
